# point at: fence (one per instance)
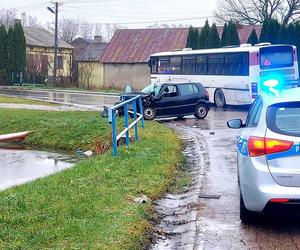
(134, 103)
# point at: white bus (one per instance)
(231, 75)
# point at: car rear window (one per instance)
(284, 118)
(186, 89)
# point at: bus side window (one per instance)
(201, 65)
(236, 64)
(216, 64)
(175, 64)
(164, 65)
(188, 65)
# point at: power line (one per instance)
(152, 21)
(41, 4)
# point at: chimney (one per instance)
(97, 39)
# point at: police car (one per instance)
(268, 158)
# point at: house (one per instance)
(40, 57)
(126, 57)
(87, 55)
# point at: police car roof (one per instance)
(287, 95)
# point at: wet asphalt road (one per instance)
(89, 100)
(216, 224)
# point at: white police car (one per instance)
(269, 154)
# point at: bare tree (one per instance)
(98, 29)
(33, 22)
(7, 16)
(109, 30)
(68, 29)
(256, 11)
(85, 73)
(86, 30)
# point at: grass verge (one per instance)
(56, 130)
(90, 205)
(17, 100)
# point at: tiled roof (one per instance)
(92, 53)
(136, 45)
(36, 36)
(80, 43)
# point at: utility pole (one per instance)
(55, 12)
(55, 43)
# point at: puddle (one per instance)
(19, 165)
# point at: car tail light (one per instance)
(279, 200)
(263, 146)
(256, 146)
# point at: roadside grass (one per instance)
(57, 130)
(17, 100)
(90, 205)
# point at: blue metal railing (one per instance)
(112, 114)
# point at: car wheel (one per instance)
(219, 99)
(246, 216)
(201, 111)
(149, 113)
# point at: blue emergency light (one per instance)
(272, 83)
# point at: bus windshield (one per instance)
(276, 57)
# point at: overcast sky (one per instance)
(129, 13)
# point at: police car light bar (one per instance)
(272, 83)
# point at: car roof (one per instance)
(287, 95)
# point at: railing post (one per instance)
(126, 123)
(141, 111)
(114, 133)
(136, 137)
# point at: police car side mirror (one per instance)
(235, 124)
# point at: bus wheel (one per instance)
(220, 98)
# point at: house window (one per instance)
(60, 63)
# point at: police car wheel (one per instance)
(149, 113)
(220, 98)
(201, 111)
(246, 216)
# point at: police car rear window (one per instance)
(284, 118)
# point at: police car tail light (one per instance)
(279, 200)
(256, 146)
(263, 146)
(276, 146)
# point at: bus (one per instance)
(232, 75)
